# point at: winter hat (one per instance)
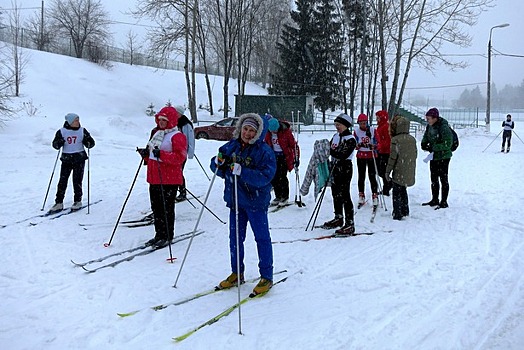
(508, 116)
(180, 109)
(273, 124)
(432, 112)
(344, 119)
(382, 114)
(362, 118)
(70, 117)
(250, 121)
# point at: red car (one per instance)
(221, 130)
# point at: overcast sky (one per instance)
(505, 69)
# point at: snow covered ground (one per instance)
(445, 279)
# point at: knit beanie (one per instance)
(70, 117)
(273, 124)
(180, 109)
(432, 112)
(250, 121)
(344, 119)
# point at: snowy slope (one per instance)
(446, 279)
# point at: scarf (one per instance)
(158, 137)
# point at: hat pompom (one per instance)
(273, 124)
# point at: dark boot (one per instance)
(347, 230)
(336, 222)
(432, 202)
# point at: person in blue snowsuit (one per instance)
(248, 158)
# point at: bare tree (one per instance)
(38, 31)
(416, 31)
(81, 21)
(132, 46)
(18, 58)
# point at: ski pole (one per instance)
(170, 259)
(50, 180)
(513, 131)
(124, 205)
(238, 256)
(316, 210)
(205, 207)
(492, 141)
(196, 226)
(202, 167)
(88, 186)
(380, 187)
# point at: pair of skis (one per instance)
(136, 251)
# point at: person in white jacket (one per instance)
(185, 126)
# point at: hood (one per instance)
(382, 117)
(261, 131)
(171, 114)
(401, 126)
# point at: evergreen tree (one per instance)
(295, 61)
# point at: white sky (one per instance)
(505, 70)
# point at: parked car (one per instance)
(221, 130)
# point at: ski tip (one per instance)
(127, 314)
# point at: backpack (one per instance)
(455, 143)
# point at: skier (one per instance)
(186, 127)
(383, 148)
(508, 126)
(437, 140)
(248, 165)
(281, 140)
(73, 138)
(164, 155)
(342, 150)
(366, 143)
(402, 162)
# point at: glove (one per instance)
(156, 153)
(388, 177)
(144, 152)
(223, 161)
(236, 169)
(58, 143)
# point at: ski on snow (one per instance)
(190, 298)
(50, 216)
(228, 311)
(279, 207)
(373, 214)
(330, 236)
(143, 250)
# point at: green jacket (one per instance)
(403, 157)
(438, 139)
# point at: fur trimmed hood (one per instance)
(261, 130)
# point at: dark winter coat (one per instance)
(258, 164)
(59, 141)
(403, 157)
(438, 139)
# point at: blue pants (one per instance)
(260, 226)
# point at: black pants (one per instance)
(280, 182)
(400, 201)
(340, 189)
(182, 188)
(382, 163)
(439, 172)
(368, 164)
(163, 206)
(78, 175)
(506, 136)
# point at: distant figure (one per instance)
(402, 162)
(72, 137)
(382, 134)
(281, 140)
(437, 140)
(508, 126)
(366, 144)
(185, 126)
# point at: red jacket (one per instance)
(286, 141)
(382, 135)
(173, 153)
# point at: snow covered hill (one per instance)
(445, 279)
